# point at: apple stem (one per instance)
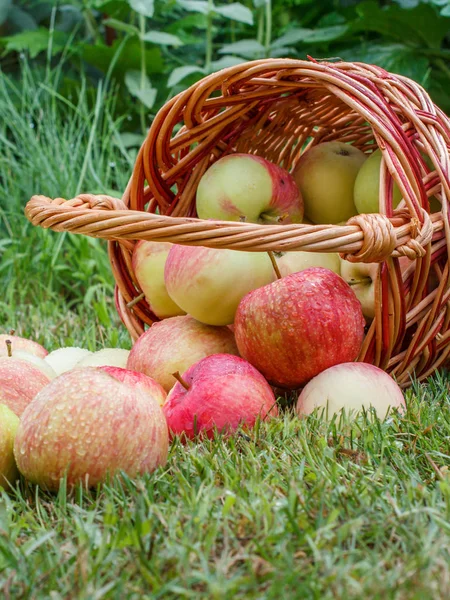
(9, 347)
(275, 264)
(12, 331)
(136, 300)
(181, 380)
(266, 218)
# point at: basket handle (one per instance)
(365, 238)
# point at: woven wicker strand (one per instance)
(279, 108)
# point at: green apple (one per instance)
(106, 357)
(361, 278)
(9, 423)
(292, 262)
(149, 260)
(367, 186)
(209, 283)
(245, 187)
(325, 176)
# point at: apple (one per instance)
(20, 381)
(325, 175)
(175, 344)
(8, 427)
(361, 277)
(88, 425)
(209, 283)
(106, 357)
(34, 359)
(149, 260)
(351, 386)
(366, 192)
(245, 187)
(139, 380)
(20, 343)
(219, 392)
(296, 327)
(64, 359)
(292, 262)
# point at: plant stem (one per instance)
(275, 265)
(209, 41)
(143, 72)
(268, 37)
(9, 347)
(181, 380)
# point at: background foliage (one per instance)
(154, 48)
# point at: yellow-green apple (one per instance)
(298, 326)
(220, 392)
(64, 359)
(245, 187)
(8, 427)
(209, 283)
(34, 359)
(20, 381)
(366, 192)
(20, 343)
(139, 380)
(149, 260)
(325, 175)
(361, 277)
(175, 344)
(353, 387)
(292, 262)
(88, 425)
(106, 357)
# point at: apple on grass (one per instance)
(8, 427)
(351, 387)
(220, 392)
(20, 381)
(106, 357)
(138, 380)
(27, 356)
(209, 283)
(20, 343)
(292, 262)
(175, 344)
(149, 259)
(65, 359)
(245, 187)
(325, 175)
(366, 192)
(88, 425)
(296, 327)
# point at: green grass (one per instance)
(298, 510)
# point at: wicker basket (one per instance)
(278, 108)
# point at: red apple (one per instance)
(248, 187)
(224, 392)
(88, 425)
(296, 327)
(139, 380)
(20, 343)
(174, 345)
(20, 381)
(352, 387)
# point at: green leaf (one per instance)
(143, 7)
(395, 58)
(34, 42)
(180, 73)
(162, 38)
(445, 12)
(243, 47)
(5, 6)
(420, 25)
(236, 12)
(311, 36)
(101, 56)
(121, 26)
(140, 89)
(194, 6)
(21, 20)
(131, 140)
(225, 62)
